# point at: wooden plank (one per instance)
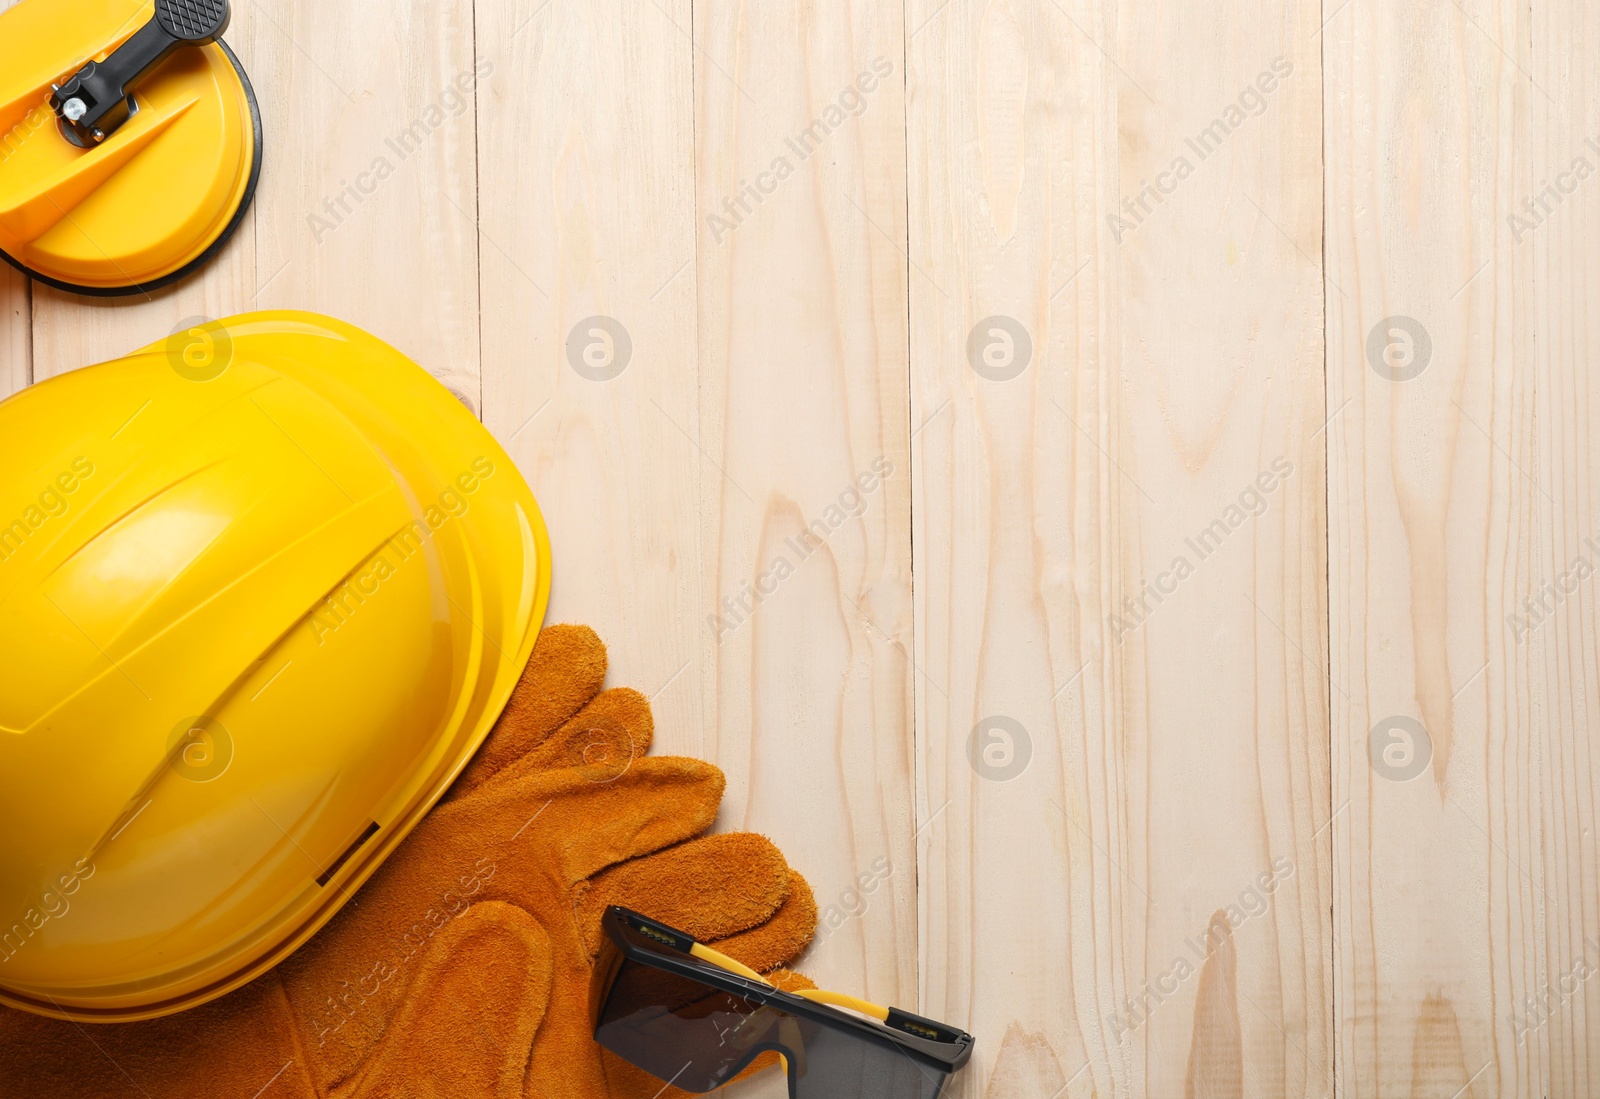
(1436, 530)
(70, 332)
(805, 475)
(371, 211)
(1552, 700)
(586, 145)
(16, 350)
(1177, 786)
(698, 234)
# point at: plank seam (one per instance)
(1327, 568)
(917, 791)
(477, 201)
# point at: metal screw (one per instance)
(74, 109)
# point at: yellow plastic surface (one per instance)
(246, 618)
(153, 196)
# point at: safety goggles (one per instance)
(695, 1019)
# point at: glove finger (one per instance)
(572, 824)
(470, 1014)
(566, 671)
(604, 740)
(711, 888)
(781, 939)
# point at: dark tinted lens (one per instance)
(681, 1031)
(839, 1065)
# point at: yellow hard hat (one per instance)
(264, 589)
(130, 141)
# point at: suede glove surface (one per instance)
(462, 968)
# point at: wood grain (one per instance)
(1551, 702)
(586, 147)
(1436, 528)
(367, 210)
(1057, 674)
(16, 320)
(806, 478)
(1103, 919)
(16, 328)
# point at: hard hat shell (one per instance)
(264, 589)
(160, 196)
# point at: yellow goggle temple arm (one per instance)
(840, 999)
(706, 954)
(816, 996)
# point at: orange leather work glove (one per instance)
(462, 969)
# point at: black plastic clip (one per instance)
(98, 98)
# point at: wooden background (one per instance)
(1109, 783)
